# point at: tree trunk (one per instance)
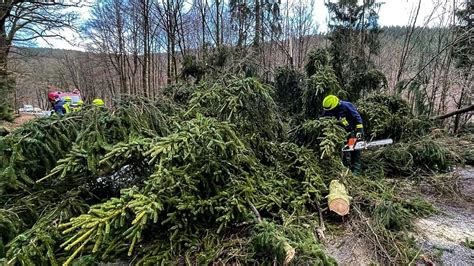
(146, 54)
(202, 9)
(241, 18)
(460, 111)
(218, 40)
(5, 91)
(258, 18)
(338, 199)
(4, 50)
(457, 112)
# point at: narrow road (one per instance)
(443, 235)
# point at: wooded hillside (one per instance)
(422, 71)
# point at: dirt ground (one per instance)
(19, 120)
(349, 247)
(441, 236)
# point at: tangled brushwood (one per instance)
(212, 178)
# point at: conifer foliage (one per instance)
(213, 177)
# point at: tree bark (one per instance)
(4, 49)
(457, 112)
(218, 15)
(258, 18)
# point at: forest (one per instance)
(213, 146)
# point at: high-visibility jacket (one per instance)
(347, 113)
(67, 107)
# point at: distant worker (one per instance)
(350, 118)
(57, 103)
(98, 103)
(68, 104)
(77, 107)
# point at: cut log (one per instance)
(459, 111)
(338, 199)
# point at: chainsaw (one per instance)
(354, 144)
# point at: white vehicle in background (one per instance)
(43, 114)
(28, 109)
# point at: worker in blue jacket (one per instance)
(58, 106)
(350, 118)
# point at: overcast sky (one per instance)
(392, 12)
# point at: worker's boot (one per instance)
(356, 164)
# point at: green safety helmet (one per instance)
(68, 99)
(80, 102)
(98, 102)
(330, 102)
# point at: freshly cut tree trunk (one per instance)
(338, 199)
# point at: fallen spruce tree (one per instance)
(214, 178)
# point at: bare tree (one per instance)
(26, 21)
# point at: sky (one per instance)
(392, 12)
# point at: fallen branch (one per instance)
(257, 214)
(459, 111)
(380, 246)
(322, 228)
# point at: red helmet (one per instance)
(52, 96)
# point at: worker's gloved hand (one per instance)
(360, 133)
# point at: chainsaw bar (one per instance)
(363, 145)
